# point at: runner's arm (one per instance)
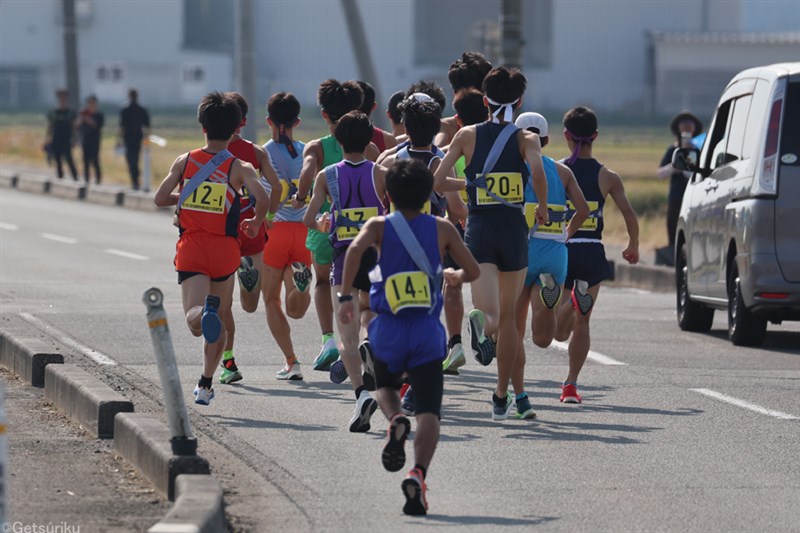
(276, 188)
(372, 153)
(441, 180)
(249, 178)
(388, 140)
(311, 164)
(617, 192)
(369, 235)
(165, 196)
(532, 152)
(389, 152)
(454, 245)
(575, 195)
(317, 199)
(456, 208)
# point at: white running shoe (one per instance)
(365, 406)
(203, 396)
(455, 360)
(290, 373)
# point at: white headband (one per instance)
(508, 114)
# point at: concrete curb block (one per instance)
(143, 441)
(142, 201)
(105, 196)
(8, 179)
(69, 190)
(651, 278)
(85, 398)
(199, 507)
(27, 357)
(34, 184)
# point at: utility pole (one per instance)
(366, 68)
(246, 67)
(71, 53)
(511, 34)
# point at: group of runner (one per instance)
(388, 226)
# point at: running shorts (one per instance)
(498, 237)
(252, 246)
(319, 244)
(546, 257)
(368, 262)
(286, 245)
(215, 256)
(587, 261)
(426, 380)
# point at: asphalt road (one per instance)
(661, 442)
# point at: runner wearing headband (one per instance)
(422, 91)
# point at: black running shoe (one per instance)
(394, 453)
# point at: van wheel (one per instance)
(692, 316)
(744, 328)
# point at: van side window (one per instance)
(759, 113)
(790, 136)
(741, 108)
(718, 137)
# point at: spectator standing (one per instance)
(61, 133)
(134, 125)
(90, 124)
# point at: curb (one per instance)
(85, 398)
(144, 441)
(27, 357)
(651, 278)
(198, 507)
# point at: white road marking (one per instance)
(10, 227)
(128, 255)
(58, 238)
(96, 356)
(597, 357)
(745, 405)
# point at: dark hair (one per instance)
(409, 183)
(336, 98)
(240, 101)
(283, 109)
(580, 121)
(468, 71)
(133, 95)
(219, 115)
(354, 132)
(393, 107)
(62, 92)
(431, 89)
(469, 106)
(504, 85)
(369, 97)
(422, 121)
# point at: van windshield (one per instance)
(790, 138)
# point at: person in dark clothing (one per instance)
(90, 122)
(134, 125)
(684, 126)
(61, 133)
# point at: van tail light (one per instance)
(773, 295)
(767, 182)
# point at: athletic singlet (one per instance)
(214, 206)
(508, 178)
(244, 150)
(460, 168)
(436, 204)
(377, 138)
(359, 199)
(587, 172)
(556, 203)
(331, 154)
(398, 286)
(286, 165)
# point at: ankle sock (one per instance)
(204, 382)
(498, 400)
(423, 470)
(521, 396)
(455, 339)
(326, 337)
(359, 390)
(227, 354)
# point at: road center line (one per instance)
(10, 227)
(59, 238)
(745, 405)
(96, 356)
(128, 255)
(597, 357)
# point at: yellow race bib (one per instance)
(463, 193)
(408, 289)
(553, 228)
(590, 224)
(506, 185)
(426, 207)
(285, 190)
(356, 214)
(208, 197)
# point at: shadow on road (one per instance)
(237, 422)
(776, 341)
(444, 520)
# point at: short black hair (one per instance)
(469, 107)
(336, 98)
(354, 132)
(283, 109)
(393, 107)
(431, 89)
(409, 183)
(580, 121)
(219, 115)
(468, 71)
(133, 95)
(422, 121)
(504, 85)
(369, 97)
(240, 101)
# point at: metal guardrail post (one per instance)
(182, 441)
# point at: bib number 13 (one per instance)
(408, 289)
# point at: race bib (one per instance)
(356, 214)
(285, 190)
(505, 185)
(426, 207)
(208, 197)
(408, 289)
(590, 224)
(553, 229)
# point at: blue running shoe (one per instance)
(482, 344)
(211, 323)
(407, 402)
(338, 372)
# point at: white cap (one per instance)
(532, 120)
(421, 97)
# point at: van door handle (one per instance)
(712, 187)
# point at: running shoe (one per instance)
(414, 490)
(502, 406)
(550, 292)
(394, 453)
(230, 372)
(327, 355)
(569, 393)
(203, 396)
(407, 402)
(482, 346)
(301, 276)
(368, 359)
(248, 275)
(338, 372)
(365, 406)
(581, 299)
(455, 360)
(524, 409)
(290, 372)
(211, 323)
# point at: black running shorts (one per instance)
(426, 380)
(587, 261)
(499, 237)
